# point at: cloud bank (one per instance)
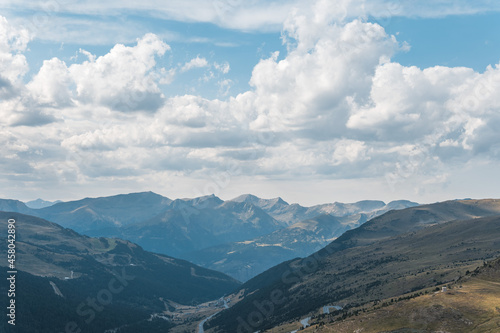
(334, 107)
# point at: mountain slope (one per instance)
(411, 219)
(79, 267)
(272, 206)
(193, 224)
(468, 305)
(397, 222)
(390, 255)
(245, 259)
(207, 201)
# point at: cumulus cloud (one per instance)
(51, 86)
(16, 108)
(336, 104)
(450, 107)
(349, 151)
(123, 79)
(309, 90)
(407, 98)
(224, 87)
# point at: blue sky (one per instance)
(462, 40)
(310, 101)
(456, 40)
(242, 50)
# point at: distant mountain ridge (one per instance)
(40, 203)
(124, 209)
(290, 214)
(9, 205)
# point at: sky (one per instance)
(313, 101)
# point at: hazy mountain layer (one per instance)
(246, 259)
(96, 213)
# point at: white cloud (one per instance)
(224, 68)
(194, 63)
(402, 96)
(16, 108)
(349, 151)
(224, 87)
(89, 55)
(51, 86)
(307, 90)
(167, 76)
(449, 107)
(124, 79)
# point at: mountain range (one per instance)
(348, 266)
(241, 237)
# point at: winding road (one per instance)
(200, 325)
